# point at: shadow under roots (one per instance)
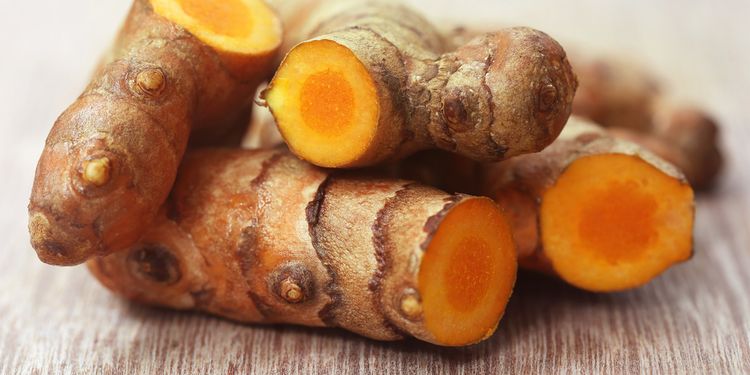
(536, 303)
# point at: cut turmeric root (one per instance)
(260, 236)
(245, 27)
(601, 213)
(112, 156)
(375, 84)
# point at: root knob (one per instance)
(155, 264)
(547, 97)
(150, 81)
(97, 171)
(455, 113)
(410, 305)
(291, 291)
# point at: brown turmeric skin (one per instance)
(686, 137)
(620, 97)
(260, 236)
(441, 169)
(597, 211)
(112, 156)
(376, 84)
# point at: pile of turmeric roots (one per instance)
(400, 173)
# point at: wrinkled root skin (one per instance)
(112, 156)
(260, 236)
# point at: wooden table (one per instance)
(694, 319)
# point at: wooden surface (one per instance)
(694, 319)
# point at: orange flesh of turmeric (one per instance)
(327, 102)
(467, 273)
(618, 223)
(226, 17)
(614, 222)
(468, 278)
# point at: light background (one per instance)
(694, 319)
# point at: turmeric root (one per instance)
(619, 96)
(375, 84)
(260, 236)
(601, 213)
(614, 94)
(111, 158)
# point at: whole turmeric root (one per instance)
(376, 84)
(260, 236)
(621, 97)
(601, 213)
(111, 158)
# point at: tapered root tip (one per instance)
(57, 244)
(613, 222)
(467, 274)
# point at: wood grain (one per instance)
(694, 319)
